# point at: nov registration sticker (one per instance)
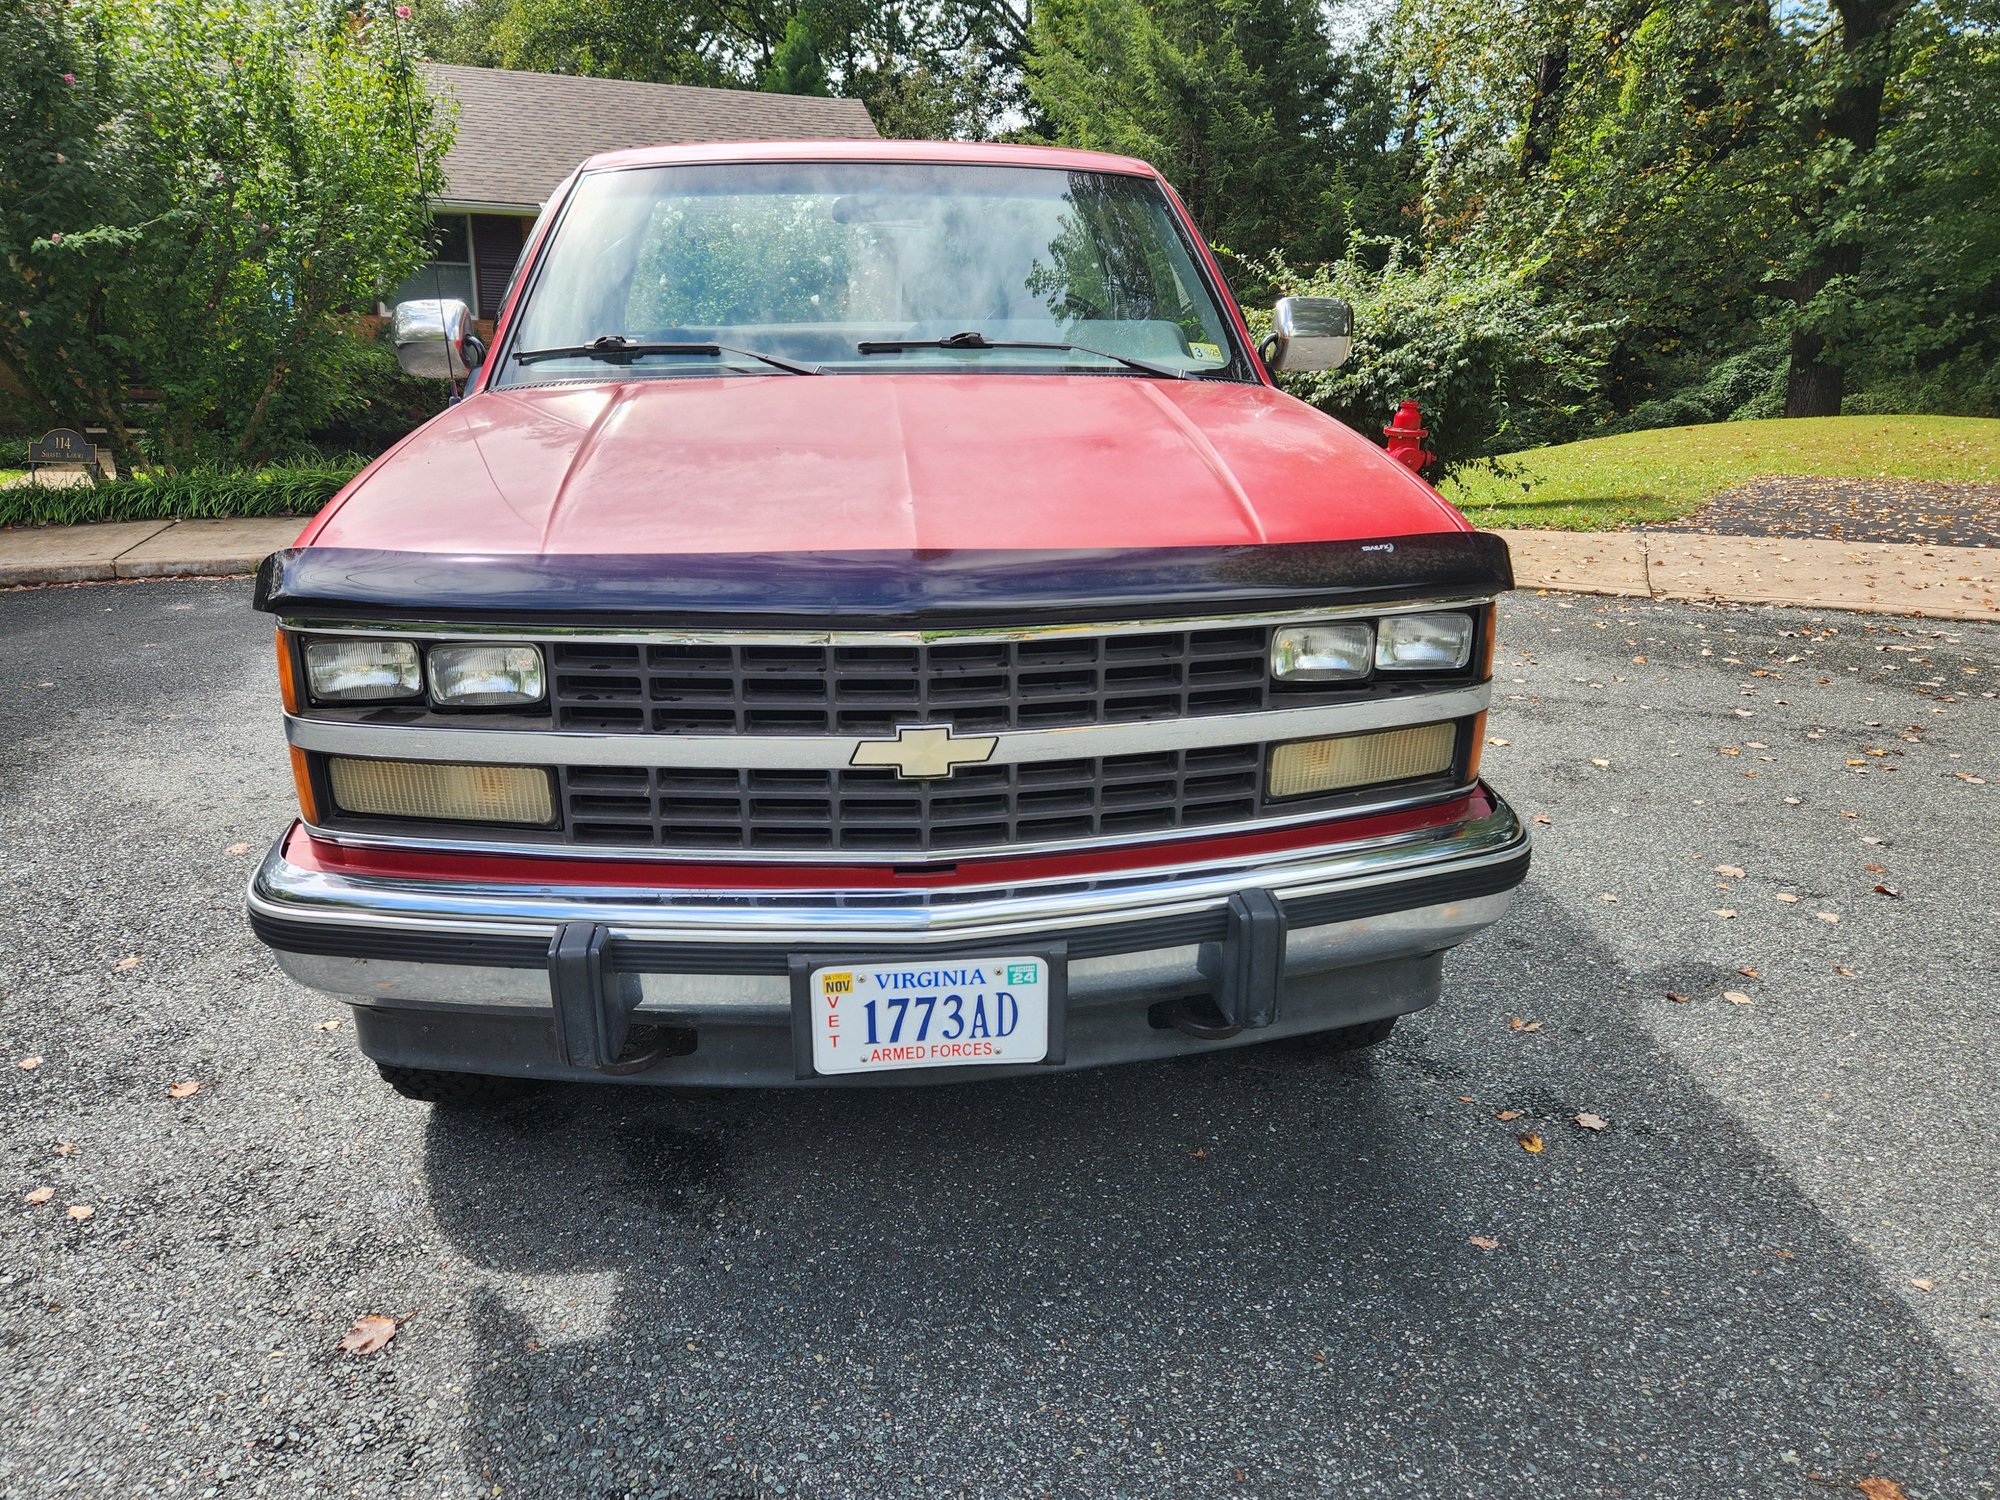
(936, 1013)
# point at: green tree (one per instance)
(1718, 173)
(1229, 100)
(195, 198)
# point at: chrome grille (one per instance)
(872, 810)
(976, 685)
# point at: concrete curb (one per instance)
(1945, 583)
(140, 549)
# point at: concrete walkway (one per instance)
(140, 549)
(1947, 583)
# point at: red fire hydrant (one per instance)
(1406, 438)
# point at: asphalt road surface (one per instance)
(1772, 1275)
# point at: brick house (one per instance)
(521, 134)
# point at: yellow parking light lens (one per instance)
(1306, 767)
(426, 789)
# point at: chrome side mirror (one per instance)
(1309, 333)
(434, 339)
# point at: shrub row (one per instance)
(296, 489)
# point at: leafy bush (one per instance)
(296, 489)
(194, 195)
(1494, 368)
(1746, 385)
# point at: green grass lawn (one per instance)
(1656, 476)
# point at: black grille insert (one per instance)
(871, 689)
(868, 809)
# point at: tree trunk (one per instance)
(1814, 386)
(1816, 381)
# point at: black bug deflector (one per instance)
(816, 590)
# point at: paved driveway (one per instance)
(1772, 1275)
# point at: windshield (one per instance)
(810, 260)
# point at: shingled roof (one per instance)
(520, 134)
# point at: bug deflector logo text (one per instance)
(925, 752)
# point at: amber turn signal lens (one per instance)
(288, 673)
(426, 789)
(1305, 767)
(302, 783)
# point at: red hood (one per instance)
(852, 463)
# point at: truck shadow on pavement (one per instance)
(1251, 1273)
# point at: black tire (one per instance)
(1348, 1038)
(435, 1086)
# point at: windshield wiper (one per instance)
(972, 339)
(621, 349)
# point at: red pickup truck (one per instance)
(869, 618)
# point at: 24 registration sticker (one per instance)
(935, 1013)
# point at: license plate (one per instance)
(935, 1013)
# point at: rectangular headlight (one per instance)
(1413, 643)
(362, 671)
(434, 791)
(482, 676)
(1305, 767)
(1322, 653)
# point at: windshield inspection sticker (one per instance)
(1210, 352)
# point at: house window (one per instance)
(449, 272)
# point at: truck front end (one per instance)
(982, 718)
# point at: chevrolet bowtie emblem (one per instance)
(925, 752)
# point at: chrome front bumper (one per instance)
(459, 976)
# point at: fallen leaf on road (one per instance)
(1465, 1098)
(333, 1025)
(1889, 891)
(1731, 750)
(237, 849)
(1200, 1153)
(29, 1064)
(1749, 973)
(1732, 872)
(1496, 740)
(1786, 896)
(1843, 971)
(1482, 1241)
(130, 961)
(185, 1090)
(65, 1148)
(369, 1335)
(1515, 1023)
(1600, 762)
(1975, 780)
(1678, 999)
(81, 1211)
(1827, 916)
(1881, 1489)
(40, 1195)
(1874, 869)
(1792, 802)
(1508, 1114)
(1923, 1283)
(1724, 912)
(1607, 896)
(1590, 1121)
(1530, 1142)
(1736, 997)
(1542, 818)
